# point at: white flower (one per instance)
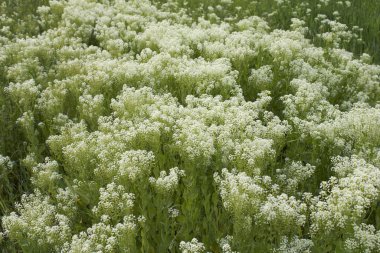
(192, 247)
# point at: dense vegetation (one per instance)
(199, 126)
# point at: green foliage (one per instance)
(197, 126)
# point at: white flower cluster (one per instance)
(46, 175)
(195, 139)
(134, 164)
(224, 244)
(167, 183)
(365, 239)
(240, 193)
(261, 78)
(295, 245)
(114, 202)
(102, 237)
(253, 155)
(344, 200)
(25, 94)
(91, 107)
(37, 224)
(355, 129)
(282, 212)
(192, 247)
(173, 212)
(5, 163)
(294, 174)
